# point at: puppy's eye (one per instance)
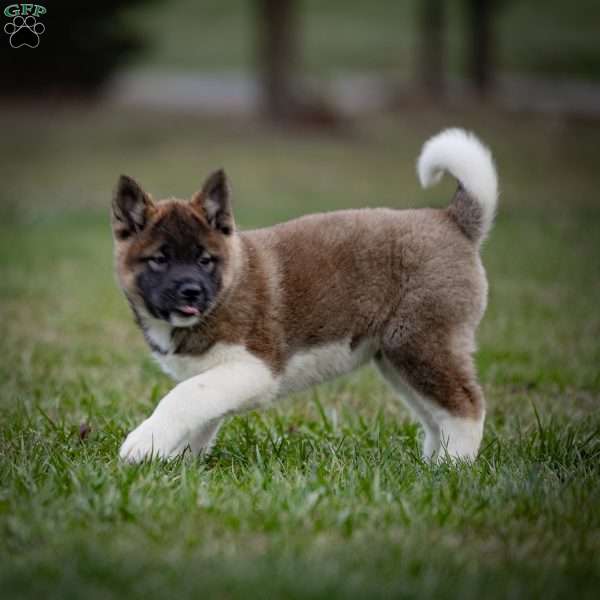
(157, 263)
(206, 261)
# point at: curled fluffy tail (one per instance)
(470, 162)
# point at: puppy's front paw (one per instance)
(154, 439)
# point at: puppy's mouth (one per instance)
(184, 316)
(187, 311)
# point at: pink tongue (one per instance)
(189, 310)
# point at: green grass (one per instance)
(353, 35)
(323, 496)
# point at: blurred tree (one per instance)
(278, 52)
(431, 63)
(480, 49)
(285, 100)
(81, 45)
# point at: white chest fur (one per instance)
(322, 363)
(182, 367)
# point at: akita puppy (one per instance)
(241, 318)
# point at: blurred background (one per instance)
(313, 60)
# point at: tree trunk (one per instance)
(479, 59)
(277, 31)
(431, 63)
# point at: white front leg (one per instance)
(189, 415)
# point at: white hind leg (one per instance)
(447, 433)
(417, 406)
(460, 437)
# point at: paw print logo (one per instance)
(24, 31)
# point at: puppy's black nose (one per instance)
(190, 291)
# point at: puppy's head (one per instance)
(174, 258)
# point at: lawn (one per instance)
(324, 495)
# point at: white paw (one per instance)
(460, 438)
(154, 438)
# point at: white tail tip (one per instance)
(461, 154)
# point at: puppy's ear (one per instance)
(215, 202)
(131, 208)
